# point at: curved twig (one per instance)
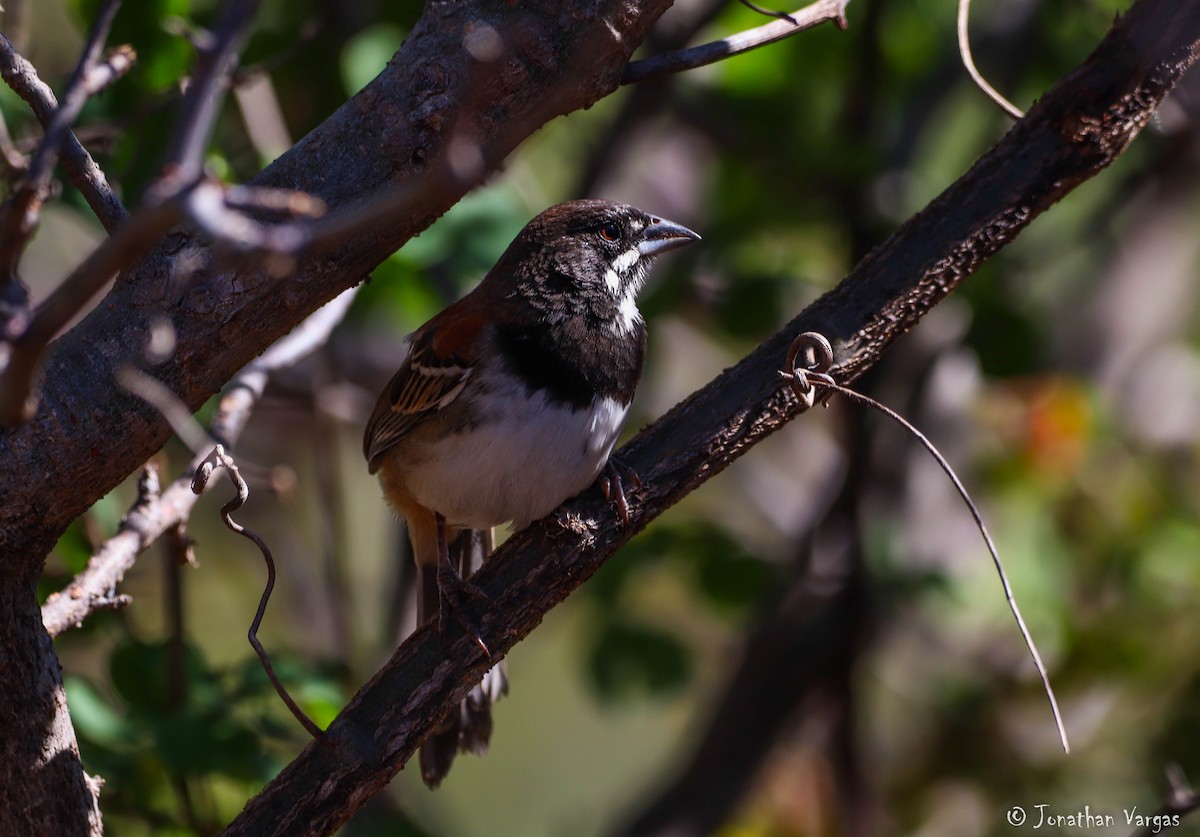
(964, 49)
(754, 7)
(219, 459)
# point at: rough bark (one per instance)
(43, 789)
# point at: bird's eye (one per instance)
(609, 231)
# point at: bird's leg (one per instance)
(614, 489)
(453, 587)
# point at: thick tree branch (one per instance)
(1074, 132)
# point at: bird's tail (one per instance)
(469, 728)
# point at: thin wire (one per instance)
(804, 383)
(219, 459)
(768, 12)
(964, 49)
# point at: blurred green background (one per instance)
(832, 569)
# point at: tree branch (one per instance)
(688, 59)
(214, 68)
(1074, 132)
(22, 209)
(157, 512)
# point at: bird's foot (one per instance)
(611, 483)
(455, 593)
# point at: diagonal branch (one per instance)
(21, 211)
(679, 61)
(84, 172)
(1074, 132)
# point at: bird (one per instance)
(508, 403)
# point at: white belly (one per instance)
(523, 460)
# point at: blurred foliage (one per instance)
(178, 737)
(1062, 381)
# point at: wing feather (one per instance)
(440, 360)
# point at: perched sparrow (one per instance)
(508, 403)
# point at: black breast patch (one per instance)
(573, 364)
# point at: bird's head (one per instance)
(588, 257)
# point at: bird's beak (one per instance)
(662, 235)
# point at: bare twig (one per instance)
(116, 63)
(806, 383)
(154, 513)
(95, 588)
(219, 459)
(198, 112)
(83, 171)
(262, 115)
(20, 213)
(688, 59)
(13, 158)
(265, 199)
(964, 49)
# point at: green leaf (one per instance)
(140, 673)
(93, 718)
(632, 658)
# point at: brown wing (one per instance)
(441, 358)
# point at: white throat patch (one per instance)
(627, 260)
(628, 314)
(621, 266)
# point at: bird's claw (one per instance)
(612, 485)
(455, 590)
